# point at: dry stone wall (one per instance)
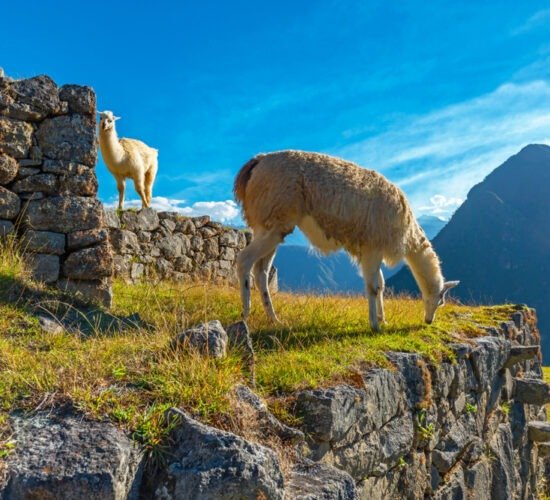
(169, 246)
(48, 185)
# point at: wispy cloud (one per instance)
(441, 155)
(223, 211)
(538, 19)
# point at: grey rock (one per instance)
(32, 99)
(409, 365)
(230, 238)
(137, 271)
(451, 447)
(15, 137)
(45, 183)
(69, 138)
(6, 227)
(94, 291)
(81, 182)
(89, 237)
(211, 248)
(164, 268)
(9, 204)
(171, 247)
(206, 464)
(488, 358)
(169, 225)
(64, 214)
(148, 219)
(503, 471)
(519, 353)
(228, 253)
(197, 243)
(26, 171)
(29, 162)
(43, 267)
(124, 242)
(89, 263)
(478, 479)
(538, 432)
(209, 339)
(531, 391)
(50, 325)
(544, 449)
(201, 221)
(267, 421)
(185, 226)
(183, 264)
(111, 219)
(144, 236)
(315, 481)
(67, 456)
(44, 242)
(81, 99)
(208, 231)
(454, 488)
(8, 169)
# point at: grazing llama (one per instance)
(336, 204)
(127, 158)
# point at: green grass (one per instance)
(132, 376)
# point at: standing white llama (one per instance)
(127, 159)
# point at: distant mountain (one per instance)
(302, 269)
(498, 242)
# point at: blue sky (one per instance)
(433, 94)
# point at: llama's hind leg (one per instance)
(139, 184)
(149, 181)
(264, 243)
(380, 299)
(370, 265)
(261, 278)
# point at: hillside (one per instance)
(498, 242)
(301, 269)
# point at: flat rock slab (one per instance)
(66, 456)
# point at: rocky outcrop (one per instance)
(48, 186)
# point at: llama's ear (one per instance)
(449, 284)
(115, 118)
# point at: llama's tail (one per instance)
(239, 188)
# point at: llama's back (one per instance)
(137, 152)
(354, 207)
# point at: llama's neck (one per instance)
(111, 150)
(426, 269)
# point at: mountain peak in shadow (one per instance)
(498, 242)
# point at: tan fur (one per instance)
(129, 159)
(337, 204)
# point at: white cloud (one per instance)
(539, 18)
(445, 152)
(441, 206)
(223, 211)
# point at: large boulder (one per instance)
(15, 137)
(206, 464)
(89, 263)
(9, 204)
(81, 99)
(8, 169)
(67, 456)
(64, 214)
(69, 138)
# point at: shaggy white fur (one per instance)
(337, 204)
(127, 159)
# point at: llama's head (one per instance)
(434, 300)
(107, 120)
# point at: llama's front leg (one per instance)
(139, 184)
(371, 269)
(121, 186)
(380, 299)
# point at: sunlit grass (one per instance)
(132, 376)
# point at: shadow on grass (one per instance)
(66, 310)
(290, 338)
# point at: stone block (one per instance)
(15, 137)
(43, 242)
(43, 267)
(8, 169)
(10, 205)
(89, 263)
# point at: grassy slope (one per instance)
(131, 376)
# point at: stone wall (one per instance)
(48, 186)
(168, 246)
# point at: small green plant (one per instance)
(505, 408)
(119, 372)
(401, 463)
(6, 448)
(471, 408)
(425, 428)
